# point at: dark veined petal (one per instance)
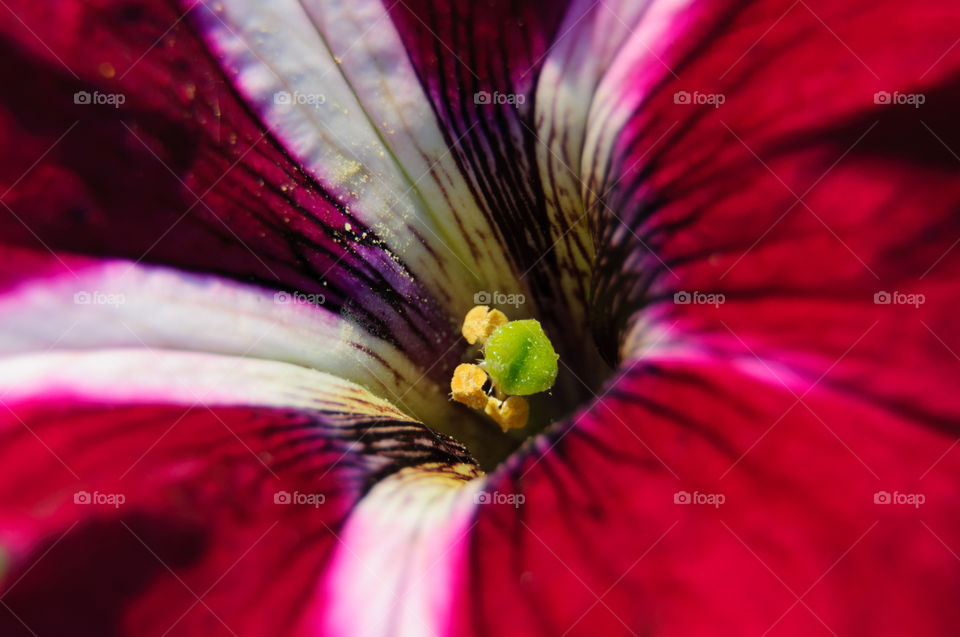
(67, 303)
(494, 75)
(183, 172)
(699, 497)
(490, 187)
(783, 463)
(334, 82)
(799, 399)
(797, 196)
(779, 459)
(164, 493)
(514, 84)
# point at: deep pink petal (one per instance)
(182, 173)
(798, 197)
(599, 527)
(799, 398)
(198, 466)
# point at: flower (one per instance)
(239, 242)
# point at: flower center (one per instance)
(519, 377)
(518, 360)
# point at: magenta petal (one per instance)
(182, 173)
(799, 196)
(117, 512)
(811, 412)
(803, 200)
(600, 526)
(737, 476)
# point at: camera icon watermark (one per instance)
(899, 298)
(484, 297)
(95, 297)
(307, 499)
(712, 499)
(485, 97)
(699, 99)
(513, 499)
(286, 98)
(912, 499)
(106, 499)
(699, 298)
(96, 98)
(911, 99)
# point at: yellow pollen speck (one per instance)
(106, 70)
(467, 385)
(480, 322)
(346, 169)
(509, 414)
(347, 227)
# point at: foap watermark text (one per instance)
(699, 99)
(498, 298)
(711, 499)
(911, 99)
(97, 498)
(95, 297)
(899, 298)
(699, 298)
(298, 298)
(485, 97)
(308, 499)
(513, 499)
(286, 98)
(911, 499)
(96, 98)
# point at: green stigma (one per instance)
(520, 358)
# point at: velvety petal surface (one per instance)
(304, 148)
(177, 493)
(699, 499)
(756, 466)
(144, 149)
(77, 303)
(387, 101)
(777, 454)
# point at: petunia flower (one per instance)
(239, 240)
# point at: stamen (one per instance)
(467, 385)
(480, 322)
(511, 413)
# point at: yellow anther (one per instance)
(480, 322)
(467, 385)
(512, 413)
